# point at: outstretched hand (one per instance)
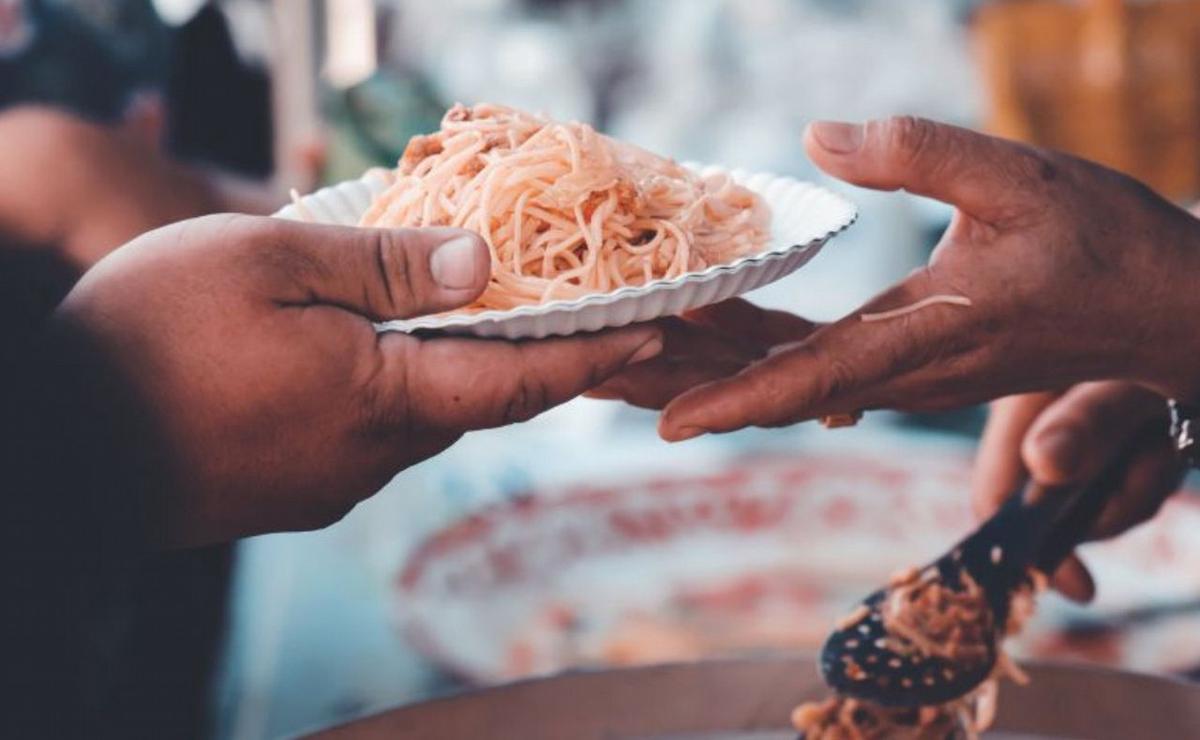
(704, 345)
(1073, 273)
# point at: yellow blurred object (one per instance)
(1116, 81)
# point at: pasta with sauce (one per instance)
(926, 617)
(566, 211)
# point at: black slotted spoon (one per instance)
(856, 660)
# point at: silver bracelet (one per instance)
(1183, 426)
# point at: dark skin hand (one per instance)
(1078, 278)
(706, 344)
(1069, 437)
(1075, 273)
(276, 404)
(1054, 438)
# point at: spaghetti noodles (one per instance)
(564, 210)
(924, 616)
(933, 300)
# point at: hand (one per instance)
(1061, 438)
(267, 397)
(1074, 273)
(704, 345)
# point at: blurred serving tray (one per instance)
(762, 553)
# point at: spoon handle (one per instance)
(1068, 513)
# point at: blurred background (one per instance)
(580, 539)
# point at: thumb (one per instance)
(378, 273)
(982, 175)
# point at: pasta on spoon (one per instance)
(566, 211)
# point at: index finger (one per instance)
(999, 468)
(849, 359)
(460, 384)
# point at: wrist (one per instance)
(1169, 353)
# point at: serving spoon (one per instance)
(857, 659)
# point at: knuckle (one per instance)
(378, 419)
(909, 138)
(271, 247)
(393, 262)
(528, 398)
(1033, 167)
(384, 397)
(838, 378)
(1116, 403)
(1052, 453)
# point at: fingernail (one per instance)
(838, 138)
(453, 264)
(651, 348)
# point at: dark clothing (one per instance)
(101, 638)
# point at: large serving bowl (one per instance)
(753, 699)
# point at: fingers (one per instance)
(999, 469)
(691, 355)
(378, 273)
(981, 175)
(708, 344)
(1074, 581)
(1154, 474)
(1077, 435)
(453, 384)
(841, 368)
(653, 384)
(1082, 432)
(738, 319)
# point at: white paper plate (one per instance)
(803, 217)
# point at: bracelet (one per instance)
(1183, 426)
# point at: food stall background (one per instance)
(595, 544)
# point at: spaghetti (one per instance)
(933, 300)
(565, 210)
(924, 616)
